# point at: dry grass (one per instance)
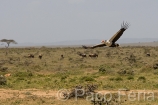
(129, 68)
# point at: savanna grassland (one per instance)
(35, 81)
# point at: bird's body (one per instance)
(113, 39)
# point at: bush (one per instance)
(72, 80)
(3, 80)
(87, 78)
(142, 78)
(111, 79)
(63, 78)
(105, 69)
(156, 72)
(102, 69)
(156, 86)
(130, 78)
(3, 69)
(23, 74)
(118, 79)
(108, 86)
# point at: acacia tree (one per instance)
(8, 43)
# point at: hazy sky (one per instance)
(43, 21)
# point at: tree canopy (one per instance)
(8, 41)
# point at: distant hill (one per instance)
(123, 41)
(137, 40)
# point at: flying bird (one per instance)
(112, 40)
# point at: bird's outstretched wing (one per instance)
(91, 47)
(116, 36)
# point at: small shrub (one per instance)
(102, 69)
(108, 86)
(3, 80)
(87, 78)
(126, 72)
(156, 86)
(89, 88)
(30, 74)
(70, 59)
(142, 78)
(132, 59)
(28, 93)
(20, 78)
(118, 79)
(156, 73)
(47, 79)
(63, 78)
(122, 72)
(3, 69)
(23, 74)
(130, 78)
(111, 79)
(83, 66)
(105, 69)
(72, 80)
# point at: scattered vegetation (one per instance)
(63, 68)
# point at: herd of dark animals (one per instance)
(90, 55)
(62, 56)
(32, 56)
(83, 55)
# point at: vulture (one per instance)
(112, 40)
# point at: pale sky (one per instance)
(45, 21)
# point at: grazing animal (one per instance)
(83, 55)
(40, 56)
(148, 54)
(114, 38)
(30, 56)
(93, 55)
(61, 57)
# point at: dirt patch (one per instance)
(8, 93)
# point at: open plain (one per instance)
(30, 80)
